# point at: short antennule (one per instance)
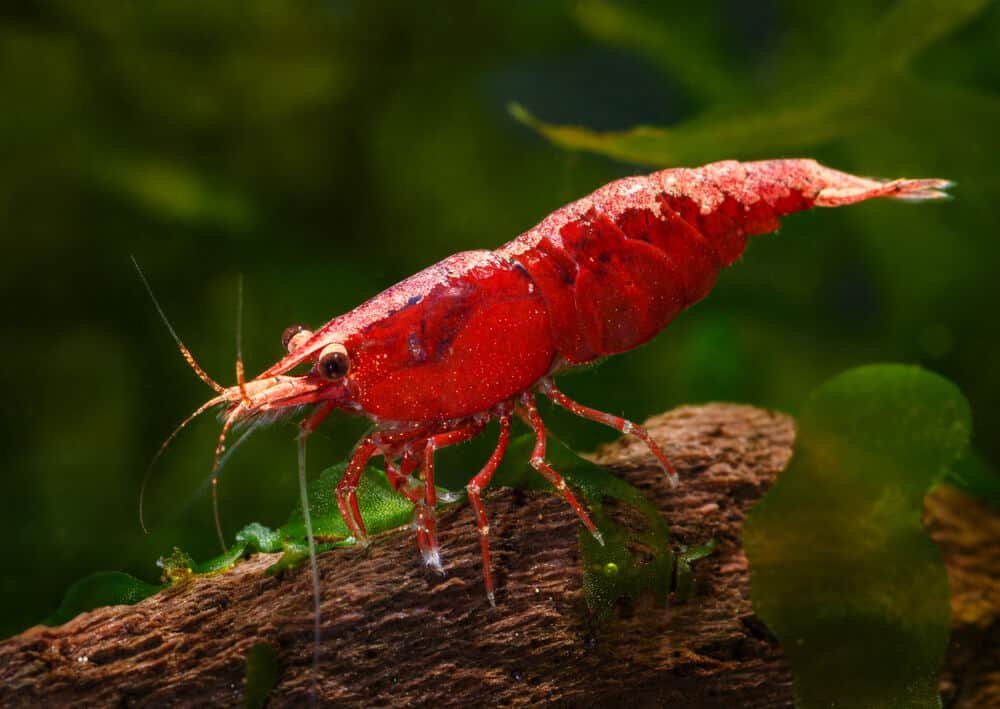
(185, 352)
(241, 379)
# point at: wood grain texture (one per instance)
(397, 633)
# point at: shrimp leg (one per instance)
(474, 489)
(347, 489)
(537, 461)
(415, 494)
(426, 519)
(400, 481)
(618, 423)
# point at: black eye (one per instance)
(333, 362)
(293, 336)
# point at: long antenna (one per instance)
(185, 352)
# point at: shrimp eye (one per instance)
(333, 362)
(293, 336)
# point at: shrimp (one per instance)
(474, 338)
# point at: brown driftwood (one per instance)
(397, 633)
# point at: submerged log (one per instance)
(395, 632)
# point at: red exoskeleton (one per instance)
(477, 336)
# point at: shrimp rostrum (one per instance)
(475, 338)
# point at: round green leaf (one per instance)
(841, 568)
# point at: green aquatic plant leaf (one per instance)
(381, 507)
(684, 576)
(222, 562)
(262, 675)
(636, 558)
(853, 92)
(787, 124)
(841, 568)
(259, 538)
(103, 588)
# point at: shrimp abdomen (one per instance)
(618, 265)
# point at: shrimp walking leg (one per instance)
(537, 461)
(547, 387)
(426, 519)
(474, 489)
(415, 493)
(347, 489)
(400, 482)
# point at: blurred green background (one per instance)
(326, 149)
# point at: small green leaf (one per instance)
(684, 575)
(259, 538)
(223, 562)
(295, 555)
(252, 538)
(841, 568)
(693, 554)
(382, 508)
(104, 588)
(263, 673)
(634, 560)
